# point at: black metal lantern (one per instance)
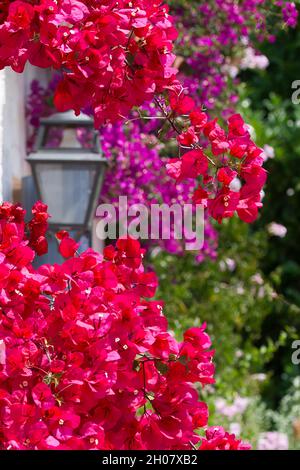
(69, 177)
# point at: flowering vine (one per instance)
(80, 344)
(114, 55)
(135, 167)
(129, 60)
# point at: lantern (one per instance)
(68, 177)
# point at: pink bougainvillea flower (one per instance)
(67, 246)
(237, 126)
(198, 119)
(181, 104)
(218, 439)
(224, 204)
(226, 175)
(188, 138)
(20, 14)
(249, 203)
(191, 165)
(200, 196)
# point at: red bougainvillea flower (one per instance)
(200, 196)
(86, 362)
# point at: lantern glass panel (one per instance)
(68, 138)
(66, 189)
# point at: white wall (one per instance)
(2, 101)
(12, 141)
(14, 88)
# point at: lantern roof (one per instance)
(83, 156)
(67, 119)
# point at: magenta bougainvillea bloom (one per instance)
(80, 344)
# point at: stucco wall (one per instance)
(13, 90)
(2, 101)
(12, 141)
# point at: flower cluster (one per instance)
(218, 439)
(79, 344)
(214, 37)
(114, 55)
(289, 12)
(230, 167)
(238, 406)
(273, 441)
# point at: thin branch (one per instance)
(167, 116)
